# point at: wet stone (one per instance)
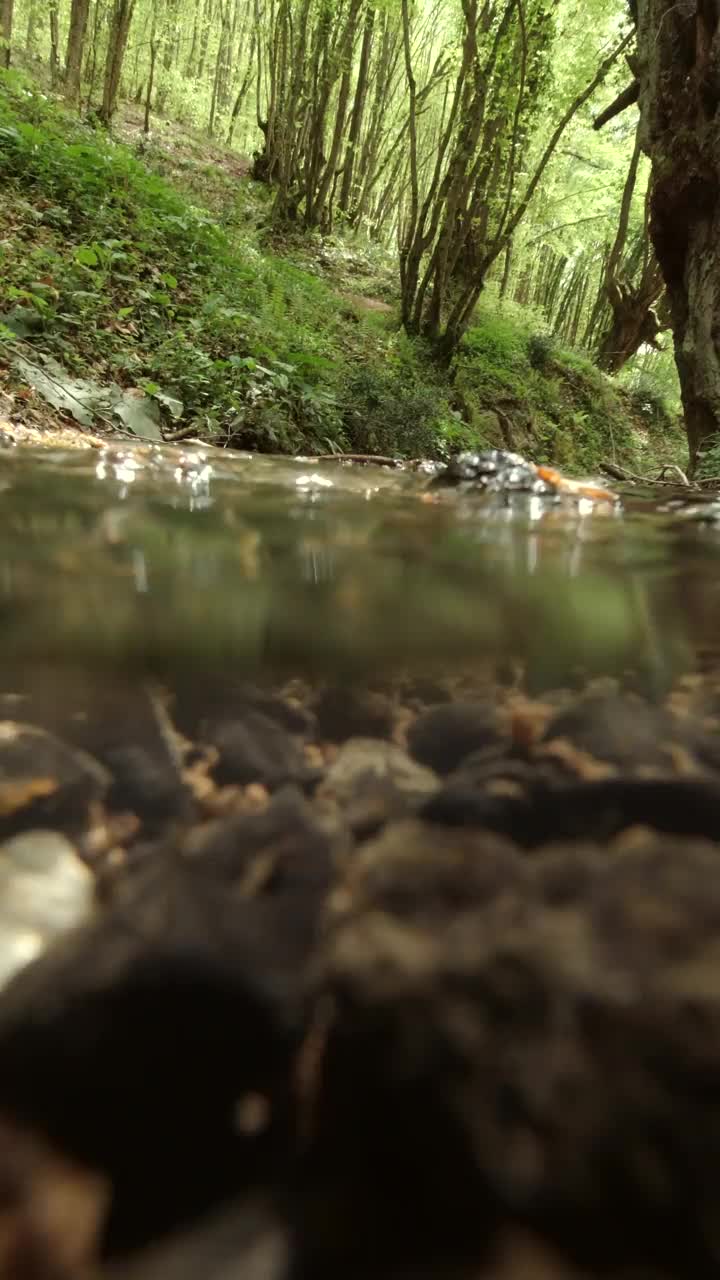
(623, 732)
(44, 890)
(344, 713)
(44, 782)
(149, 786)
(255, 748)
(373, 782)
(542, 1051)
(443, 736)
(51, 1211)
(546, 810)
(130, 1045)
(494, 471)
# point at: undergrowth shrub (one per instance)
(395, 406)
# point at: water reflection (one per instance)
(155, 556)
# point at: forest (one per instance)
(380, 225)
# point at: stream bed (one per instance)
(359, 893)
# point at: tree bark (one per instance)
(151, 77)
(54, 42)
(678, 49)
(33, 14)
(358, 112)
(117, 44)
(6, 26)
(75, 47)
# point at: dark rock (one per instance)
(586, 810)
(346, 712)
(44, 782)
(625, 732)
(374, 781)
(205, 701)
(131, 1043)
(541, 1054)
(242, 1242)
(255, 748)
(148, 786)
(442, 736)
(51, 1211)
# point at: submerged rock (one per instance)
(44, 890)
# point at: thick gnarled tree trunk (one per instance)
(679, 72)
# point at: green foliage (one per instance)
(398, 405)
(557, 404)
(708, 464)
(133, 281)
(127, 277)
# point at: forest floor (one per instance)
(150, 267)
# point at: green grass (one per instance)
(158, 268)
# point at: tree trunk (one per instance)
(117, 44)
(75, 46)
(242, 92)
(32, 26)
(679, 101)
(6, 26)
(54, 42)
(631, 327)
(358, 112)
(91, 58)
(151, 79)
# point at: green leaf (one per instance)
(124, 311)
(139, 414)
(151, 388)
(86, 256)
(174, 407)
(168, 280)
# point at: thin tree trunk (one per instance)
(219, 63)
(242, 92)
(32, 28)
(358, 111)
(54, 43)
(151, 75)
(507, 268)
(208, 15)
(75, 47)
(92, 57)
(117, 44)
(6, 29)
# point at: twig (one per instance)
(360, 457)
(181, 434)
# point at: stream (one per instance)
(161, 558)
(359, 906)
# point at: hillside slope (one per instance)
(151, 267)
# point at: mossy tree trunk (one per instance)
(678, 68)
